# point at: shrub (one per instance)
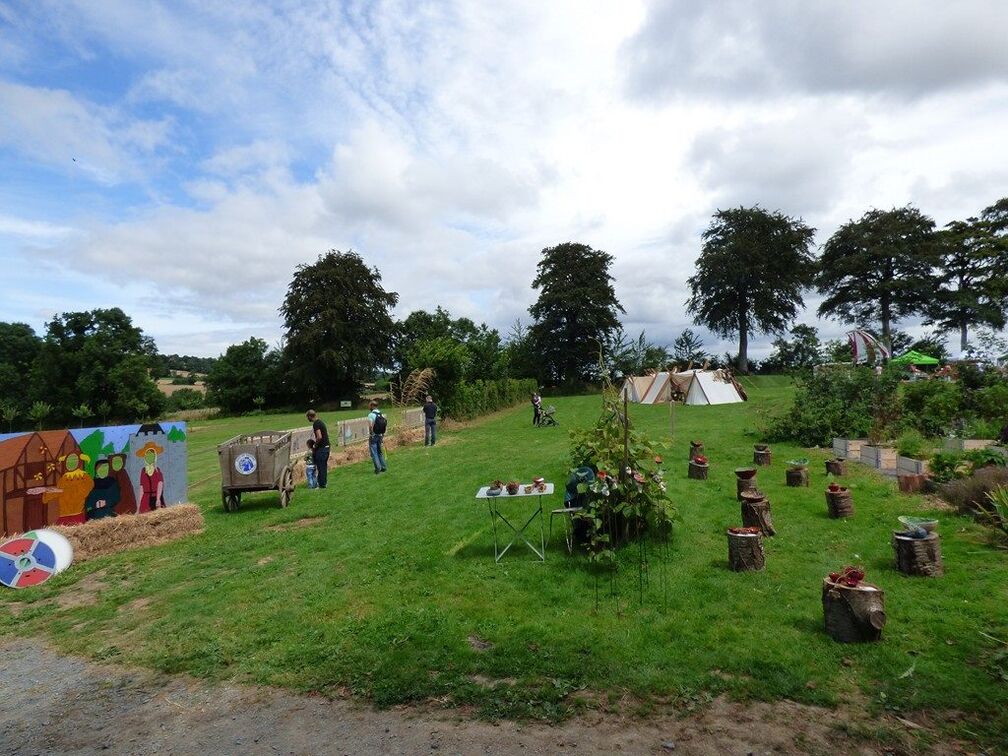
(185, 399)
(969, 495)
(995, 515)
(912, 444)
(932, 406)
(946, 466)
(992, 405)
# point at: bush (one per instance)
(992, 403)
(848, 403)
(947, 466)
(473, 398)
(185, 399)
(932, 407)
(970, 495)
(912, 444)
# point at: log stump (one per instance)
(697, 471)
(797, 477)
(745, 480)
(836, 467)
(839, 503)
(756, 512)
(910, 483)
(918, 556)
(761, 455)
(853, 615)
(745, 552)
(695, 449)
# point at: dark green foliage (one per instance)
(474, 398)
(688, 347)
(877, 269)
(485, 356)
(243, 373)
(750, 274)
(968, 490)
(635, 356)
(19, 347)
(92, 358)
(931, 344)
(932, 407)
(970, 286)
(802, 351)
(991, 403)
(576, 314)
(835, 403)
(912, 444)
(339, 326)
(185, 399)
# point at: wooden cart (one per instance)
(256, 462)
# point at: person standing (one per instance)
(430, 421)
(320, 452)
(377, 425)
(536, 408)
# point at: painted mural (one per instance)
(67, 477)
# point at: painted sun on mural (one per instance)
(68, 477)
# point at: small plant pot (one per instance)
(494, 491)
(745, 479)
(697, 471)
(512, 488)
(696, 449)
(836, 466)
(762, 455)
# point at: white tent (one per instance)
(655, 388)
(712, 387)
(635, 387)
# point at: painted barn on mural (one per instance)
(67, 477)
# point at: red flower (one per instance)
(602, 474)
(657, 460)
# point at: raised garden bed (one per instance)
(967, 444)
(879, 457)
(911, 466)
(848, 448)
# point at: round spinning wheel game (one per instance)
(33, 558)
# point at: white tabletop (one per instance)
(482, 493)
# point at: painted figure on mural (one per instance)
(74, 486)
(126, 499)
(151, 490)
(102, 500)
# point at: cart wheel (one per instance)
(232, 501)
(286, 486)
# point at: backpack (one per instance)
(380, 423)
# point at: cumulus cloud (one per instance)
(739, 49)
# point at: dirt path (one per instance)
(57, 704)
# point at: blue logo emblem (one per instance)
(245, 463)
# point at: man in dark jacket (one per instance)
(430, 422)
(320, 454)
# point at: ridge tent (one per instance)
(712, 387)
(635, 387)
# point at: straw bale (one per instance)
(113, 534)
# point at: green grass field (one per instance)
(386, 592)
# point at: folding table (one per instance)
(494, 504)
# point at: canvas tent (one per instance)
(712, 387)
(635, 387)
(914, 358)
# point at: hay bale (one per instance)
(113, 534)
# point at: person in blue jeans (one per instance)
(320, 452)
(377, 424)
(430, 421)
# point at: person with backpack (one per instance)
(430, 421)
(377, 425)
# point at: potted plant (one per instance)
(495, 488)
(914, 452)
(512, 487)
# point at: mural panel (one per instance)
(67, 477)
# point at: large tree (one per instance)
(18, 348)
(98, 358)
(803, 350)
(750, 274)
(970, 286)
(245, 376)
(486, 359)
(877, 269)
(576, 314)
(339, 325)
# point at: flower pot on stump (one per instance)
(756, 511)
(761, 454)
(745, 550)
(839, 502)
(836, 467)
(853, 614)
(695, 449)
(698, 468)
(918, 556)
(745, 479)
(797, 477)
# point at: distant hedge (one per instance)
(470, 399)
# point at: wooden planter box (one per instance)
(848, 448)
(911, 466)
(967, 444)
(879, 457)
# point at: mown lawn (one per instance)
(387, 593)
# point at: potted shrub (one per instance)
(495, 488)
(512, 487)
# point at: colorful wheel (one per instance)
(26, 561)
(61, 547)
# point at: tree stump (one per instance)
(695, 449)
(745, 552)
(839, 503)
(910, 483)
(761, 454)
(918, 556)
(853, 615)
(745, 480)
(836, 467)
(756, 512)
(697, 471)
(797, 477)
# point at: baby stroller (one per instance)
(548, 416)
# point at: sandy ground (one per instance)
(54, 704)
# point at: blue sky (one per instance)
(179, 159)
